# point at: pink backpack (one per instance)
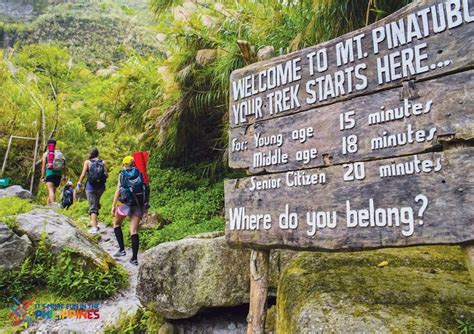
(51, 148)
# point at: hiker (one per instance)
(96, 177)
(68, 196)
(52, 169)
(132, 193)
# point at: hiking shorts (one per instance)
(93, 196)
(54, 179)
(131, 211)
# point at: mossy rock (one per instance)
(193, 274)
(421, 289)
(61, 234)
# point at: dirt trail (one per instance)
(110, 309)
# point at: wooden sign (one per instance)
(364, 128)
(418, 42)
(412, 200)
(368, 138)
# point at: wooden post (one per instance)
(259, 259)
(259, 264)
(34, 163)
(6, 156)
(469, 251)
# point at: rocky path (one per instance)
(110, 309)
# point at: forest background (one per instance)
(126, 76)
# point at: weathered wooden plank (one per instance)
(444, 104)
(407, 41)
(444, 180)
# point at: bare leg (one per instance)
(94, 219)
(118, 220)
(51, 191)
(134, 225)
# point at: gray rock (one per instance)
(167, 328)
(13, 249)
(265, 53)
(207, 235)
(184, 277)
(61, 233)
(15, 191)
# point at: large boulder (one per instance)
(13, 249)
(60, 234)
(15, 191)
(418, 290)
(184, 277)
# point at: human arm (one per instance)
(116, 195)
(83, 174)
(43, 167)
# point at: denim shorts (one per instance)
(93, 196)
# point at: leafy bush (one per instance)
(465, 326)
(145, 320)
(11, 206)
(191, 203)
(72, 277)
(64, 274)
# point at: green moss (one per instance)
(270, 320)
(422, 288)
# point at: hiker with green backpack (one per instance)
(96, 172)
(52, 169)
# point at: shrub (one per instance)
(64, 274)
(145, 320)
(191, 203)
(10, 206)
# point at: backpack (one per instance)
(51, 149)
(97, 175)
(68, 197)
(59, 161)
(132, 189)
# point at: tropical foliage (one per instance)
(172, 102)
(201, 40)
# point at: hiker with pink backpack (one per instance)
(52, 169)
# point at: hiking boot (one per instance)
(120, 253)
(93, 230)
(134, 262)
